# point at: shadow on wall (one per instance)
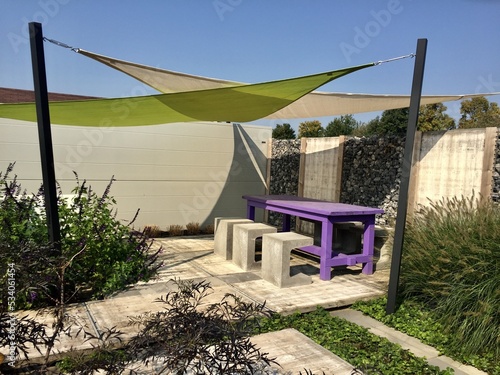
(246, 175)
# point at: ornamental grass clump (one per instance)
(175, 230)
(450, 262)
(193, 228)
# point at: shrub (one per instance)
(98, 255)
(24, 331)
(19, 218)
(189, 336)
(450, 263)
(104, 255)
(115, 255)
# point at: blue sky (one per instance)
(258, 40)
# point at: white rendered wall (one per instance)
(175, 173)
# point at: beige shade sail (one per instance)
(241, 103)
(314, 104)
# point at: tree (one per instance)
(284, 131)
(393, 121)
(310, 129)
(478, 112)
(367, 129)
(432, 117)
(343, 125)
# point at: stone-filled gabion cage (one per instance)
(371, 174)
(285, 165)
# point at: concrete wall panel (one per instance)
(321, 178)
(450, 164)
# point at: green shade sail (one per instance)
(241, 103)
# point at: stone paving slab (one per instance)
(178, 264)
(186, 243)
(296, 352)
(346, 286)
(80, 318)
(293, 351)
(342, 291)
(116, 312)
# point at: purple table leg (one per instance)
(325, 271)
(250, 212)
(286, 223)
(368, 243)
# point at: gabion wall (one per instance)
(371, 174)
(285, 165)
(495, 194)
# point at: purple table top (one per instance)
(313, 205)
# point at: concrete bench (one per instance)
(276, 252)
(348, 240)
(347, 237)
(244, 236)
(223, 235)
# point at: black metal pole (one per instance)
(44, 134)
(416, 92)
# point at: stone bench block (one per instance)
(348, 236)
(217, 220)
(384, 242)
(276, 252)
(244, 236)
(223, 236)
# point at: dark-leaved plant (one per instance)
(192, 336)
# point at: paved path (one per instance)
(193, 258)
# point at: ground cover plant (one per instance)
(371, 354)
(415, 319)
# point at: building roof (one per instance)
(9, 95)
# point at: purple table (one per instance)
(326, 214)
